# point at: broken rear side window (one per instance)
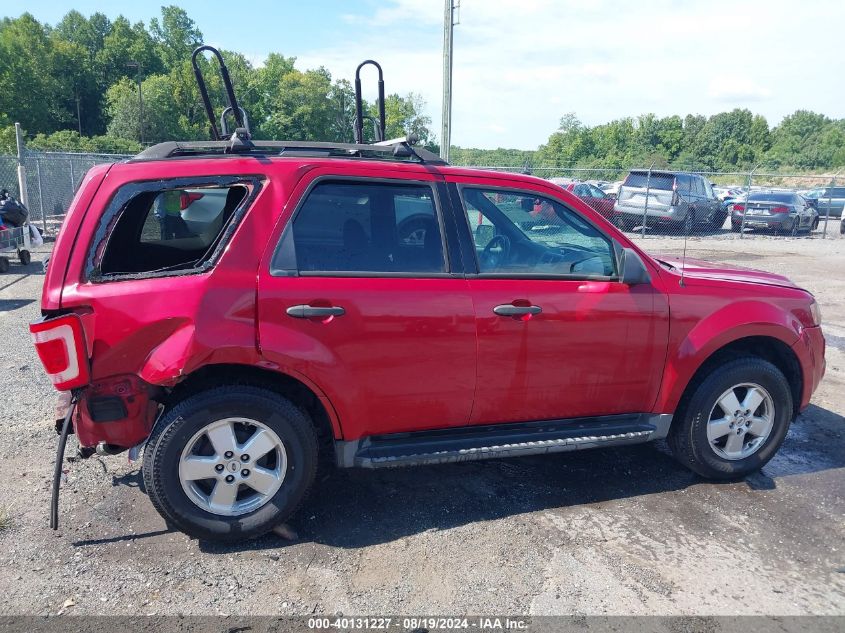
(164, 228)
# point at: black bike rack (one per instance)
(233, 108)
(378, 127)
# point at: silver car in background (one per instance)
(832, 198)
(668, 197)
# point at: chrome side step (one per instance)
(506, 440)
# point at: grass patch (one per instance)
(5, 519)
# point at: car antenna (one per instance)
(242, 132)
(380, 127)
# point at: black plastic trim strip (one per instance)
(466, 443)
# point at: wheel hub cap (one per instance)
(232, 466)
(740, 421)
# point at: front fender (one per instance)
(732, 322)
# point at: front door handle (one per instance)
(308, 312)
(511, 310)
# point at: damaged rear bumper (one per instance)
(118, 411)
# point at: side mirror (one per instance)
(632, 270)
(813, 203)
(484, 233)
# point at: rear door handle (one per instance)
(307, 312)
(510, 310)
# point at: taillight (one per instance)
(60, 343)
(739, 207)
(780, 209)
(186, 199)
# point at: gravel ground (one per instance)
(613, 531)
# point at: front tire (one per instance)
(621, 223)
(230, 463)
(733, 420)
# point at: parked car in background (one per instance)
(728, 193)
(611, 188)
(832, 198)
(780, 211)
(668, 197)
(589, 193)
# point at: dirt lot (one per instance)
(611, 531)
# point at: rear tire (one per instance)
(689, 222)
(700, 417)
(282, 466)
(621, 223)
(718, 220)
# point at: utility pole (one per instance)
(137, 67)
(21, 147)
(446, 124)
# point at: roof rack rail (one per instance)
(379, 127)
(395, 149)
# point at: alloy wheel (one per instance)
(232, 466)
(740, 421)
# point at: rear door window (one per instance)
(167, 227)
(366, 227)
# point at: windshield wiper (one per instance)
(665, 264)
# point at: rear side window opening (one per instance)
(168, 227)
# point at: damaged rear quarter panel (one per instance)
(164, 327)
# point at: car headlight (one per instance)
(816, 313)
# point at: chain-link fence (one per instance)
(667, 202)
(646, 201)
(51, 181)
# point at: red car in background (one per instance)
(592, 195)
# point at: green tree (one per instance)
(127, 43)
(301, 109)
(176, 35)
(404, 115)
(796, 141)
(28, 75)
(162, 119)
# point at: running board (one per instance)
(467, 443)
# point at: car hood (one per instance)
(700, 269)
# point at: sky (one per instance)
(520, 65)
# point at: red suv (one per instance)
(239, 311)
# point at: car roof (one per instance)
(324, 154)
(662, 172)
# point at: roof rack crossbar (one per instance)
(236, 110)
(359, 103)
